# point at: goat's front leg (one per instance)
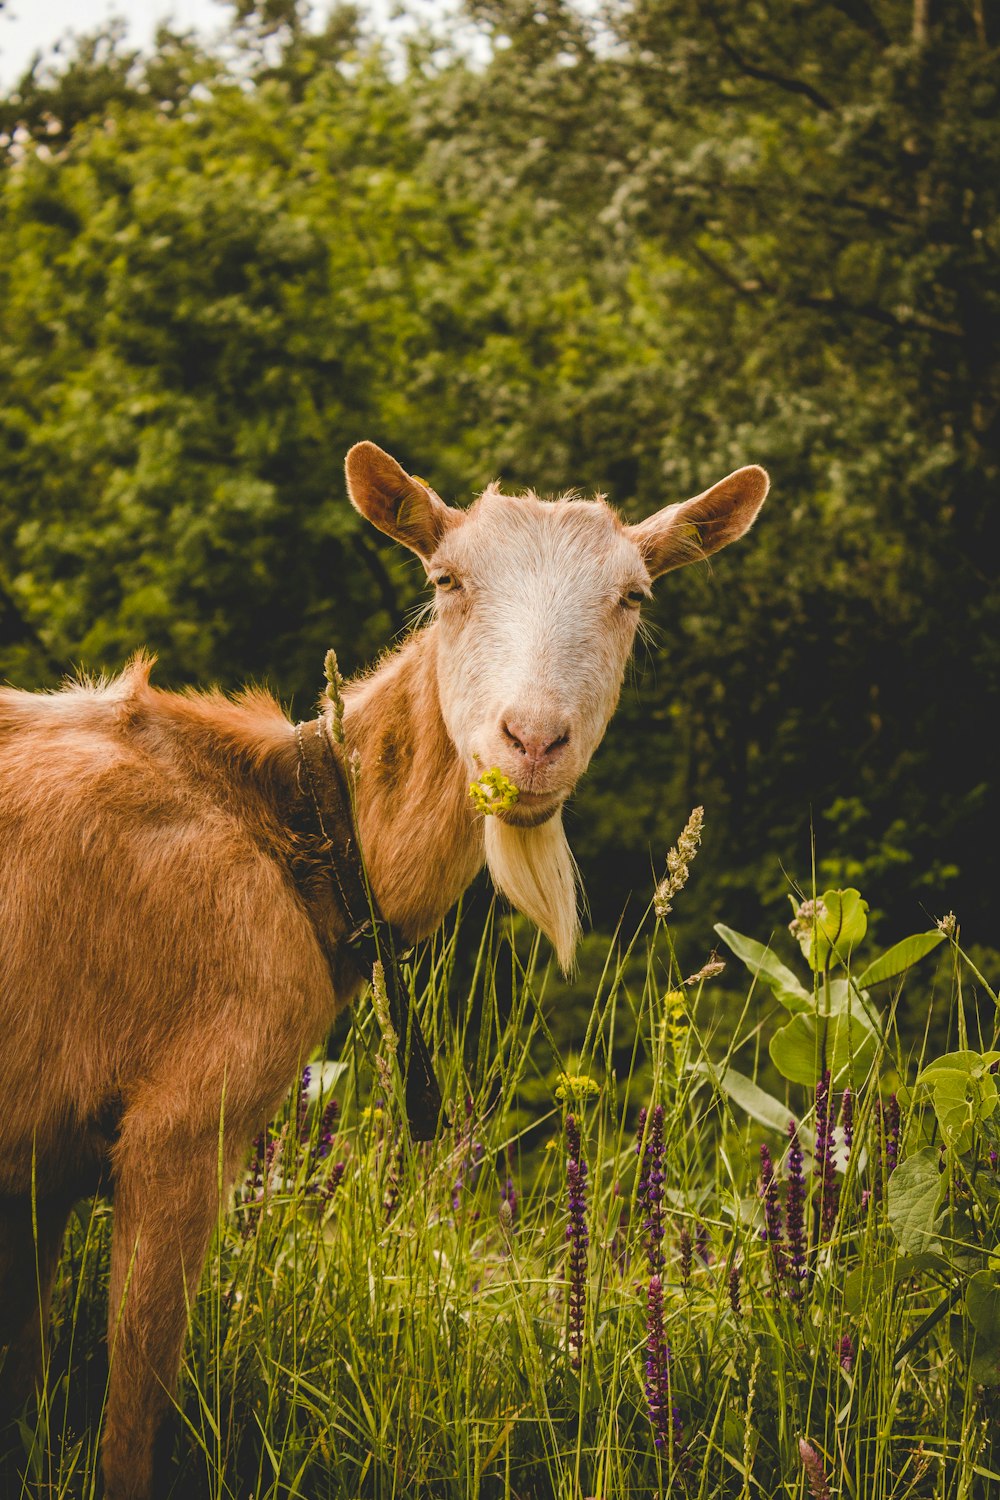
(166, 1205)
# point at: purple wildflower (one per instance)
(685, 1244)
(734, 1290)
(812, 1463)
(322, 1149)
(267, 1156)
(258, 1163)
(334, 1179)
(894, 1120)
(773, 1232)
(330, 1116)
(302, 1105)
(273, 1154)
(651, 1184)
(576, 1233)
(845, 1353)
(824, 1162)
(795, 1212)
(994, 1158)
(878, 1161)
(663, 1414)
(253, 1189)
(888, 1121)
(847, 1118)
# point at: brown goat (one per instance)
(158, 966)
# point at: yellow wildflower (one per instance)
(493, 792)
(577, 1087)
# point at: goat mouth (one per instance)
(531, 809)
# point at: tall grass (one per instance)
(382, 1320)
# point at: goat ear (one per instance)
(689, 531)
(402, 507)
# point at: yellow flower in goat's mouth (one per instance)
(493, 792)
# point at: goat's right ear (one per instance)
(689, 531)
(403, 507)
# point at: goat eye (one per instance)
(634, 598)
(446, 582)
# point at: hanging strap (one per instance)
(335, 883)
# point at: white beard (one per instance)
(534, 869)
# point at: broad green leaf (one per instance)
(974, 1064)
(755, 1101)
(963, 1091)
(916, 1190)
(842, 995)
(808, 1043)
(963, 1097)
(900, 957)
(763, 964)
(982, 1307)
(864, 1283)
(867, 1280)
(954, 1105)
(837, 925)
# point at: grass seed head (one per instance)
(679, 864)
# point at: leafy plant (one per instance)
(601, 1278)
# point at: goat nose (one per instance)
(537, 743)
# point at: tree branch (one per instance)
(828, 301)
(750, 288)
(766, 75)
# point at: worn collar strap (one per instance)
(339, 875)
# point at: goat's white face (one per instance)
(537, 604)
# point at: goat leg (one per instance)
(164, 1219)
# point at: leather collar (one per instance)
(331, 877)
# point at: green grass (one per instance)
(404, 1337)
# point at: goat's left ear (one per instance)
(403, 507)
(689, 531)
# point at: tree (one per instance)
(627, 259)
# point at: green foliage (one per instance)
(840, 1037)
(763, 964)
(376, 1319)
(944, 1200)
(916, 1189)
(835, 923)
(834, 1027)
(627, 259)
(964, 1093)
(900, 957)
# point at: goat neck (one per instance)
(421, 839)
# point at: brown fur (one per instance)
(159, 975)
(160, 978)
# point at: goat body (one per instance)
(160, 977)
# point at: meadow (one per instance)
(742, 1241)
(624, 247)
